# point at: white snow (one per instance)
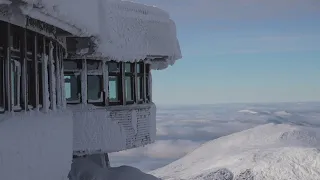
(125, 31)
(84, 168)
(35, 146)
(248, 111)
(265, 152)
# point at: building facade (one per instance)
(66, 91)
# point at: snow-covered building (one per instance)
(76, 79)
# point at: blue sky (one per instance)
(242, 51)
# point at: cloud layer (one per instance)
(182, 129)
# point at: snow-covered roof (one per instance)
(125, 31)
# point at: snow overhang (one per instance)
(124, 31)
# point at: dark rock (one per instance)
(246, 175)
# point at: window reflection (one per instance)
(128, 68)
(72, 84)
(113, 89)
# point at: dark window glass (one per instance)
(2, 85)
(140, 88)
(72, 64)
(15, 83)
(30, 82)
(40, 45)
(15, 39)
(114, 67)
(40, 82)
(93, 65)
(30, 40)
(128, 68)
(72, 84)
(95, 88)
(129, 88)
(147, 88)
(139, 68)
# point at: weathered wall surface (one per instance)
(113, 129)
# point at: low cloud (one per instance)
(181, 129)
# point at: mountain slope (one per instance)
(265, 152)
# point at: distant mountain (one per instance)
(271, 151)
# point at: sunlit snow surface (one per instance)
(288, 139)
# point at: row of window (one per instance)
(126, 83)
(22, 68)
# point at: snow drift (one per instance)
(265, 152)
(35, 146)
(84, 168)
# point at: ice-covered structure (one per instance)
(80, 72)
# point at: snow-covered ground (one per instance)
(265, 152)
(35, 146)
(85, 169)
(191, 126)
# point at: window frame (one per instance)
(74, 72)
(16, 74)
(141, 90)
(139, 73)
(119, 85)
(96, 72)
(131, 75)
(2, 70)
(148, 85)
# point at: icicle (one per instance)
(105, 72)
(150, 86)
(45, 87)
(52, 78)
(58, 82)
(84, 83)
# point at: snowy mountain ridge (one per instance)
(268, 151)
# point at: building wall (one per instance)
(34, 145)
(113, 129)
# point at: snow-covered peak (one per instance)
(265, 152)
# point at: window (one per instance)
(2, 84)
(126, 81)
(140, 80)
(40, 69)
(15, 83)
(114, 89)
(31, 83)
(21, 71)
(95, 82)
(72, 84)
(115, 83)
(72, 80)
(129, 83)
(147, 68)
